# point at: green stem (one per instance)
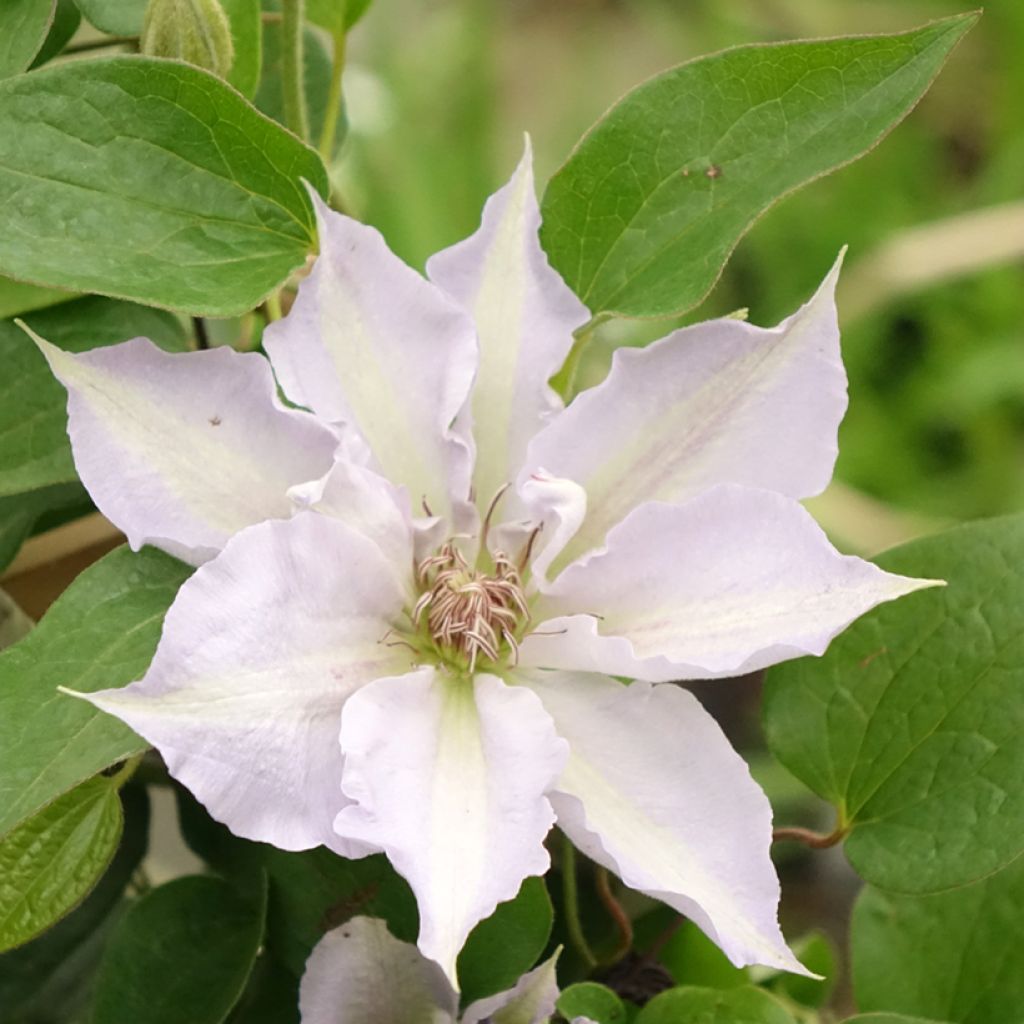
(334, 95)
(293, 16)
(564, 382)
(273, 306)
(571, 905)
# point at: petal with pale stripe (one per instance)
(719, 402)
(359, 973)
(654, 792)
(524, 314)
(448, 776)
(531, 1001)
(731, 581)
(183, 450)
(371, 344)
(259, 653)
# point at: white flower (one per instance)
(464, 646)
(360, 973)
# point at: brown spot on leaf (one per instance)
(714, 171)
(864, 662)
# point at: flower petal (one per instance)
(525, 315)
(448, 776)
(734, 580)
(371, 344)
(360, 973)
(183, 450)
(654, 792)
(718, 402)
(531, 1001)
(259, 653)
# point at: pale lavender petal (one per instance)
(531, 1001)
(720, 402)
(524, 314)
(734, 580)
(359, 973)
(183, 450)
(260, 651)
(448, 776)
(654, 792)
(371, 344)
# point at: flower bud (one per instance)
(197, 31)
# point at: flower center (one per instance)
(468, 613)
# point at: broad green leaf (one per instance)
(591, 1000)
(912, 723)
(691, 958)
(317, 76)
(101, 632)
(116, 17)
(181, 955)
(24, 25)
(247, 36)
(507, 944)
(14, 623)
(691, 1005)
(271, 997)
(34, 447)
(16, 297)
(20, 512)
(645, 212)
(887, 1018)
(66, 19)
(49, 862)
(150, 180)
(955, 956)
(314, 891)
(49, 980)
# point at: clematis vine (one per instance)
(415, 591)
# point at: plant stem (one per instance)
(815, 840)
(602, 882)
(334, 99)
(100, 44)
(202, 337)
(571, 904)
(293, 16)
(273, 306)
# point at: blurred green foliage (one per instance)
(438, 95)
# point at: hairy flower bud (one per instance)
(197, 31)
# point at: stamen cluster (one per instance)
(470, 612)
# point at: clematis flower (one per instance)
(359, 973)
(413, 599)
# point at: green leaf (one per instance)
(817, 953)
(507, 944)
(16, 297)
(181, 955)
(713, 1006)
(19, 513)
(115, 17)
(247, 35)
(589, 999)
(66, 19)
(151, 180)
(34, 447)
(49, 980)
(101, 632)
(887, 1018)
(271, 997)
(336, 15)
(956, 956)
(316, 76)
(316, 890)
(645, 212)
(912, 723)
(693, 959)
(52, 860)
(24, 25)
(14, 623)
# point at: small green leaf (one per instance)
(51, 861)
(693, 959)
(912, 723)
(589, 999)
(150, 180)
(115, 17)
(507, 944)
(817, 953)
(24, 25)
(247, 35)
(956, 956)
(101, 632)
(316, 890)
(690, 1005)
(336, 15)
(181, 955)
(650, 204)
(49, 980)
(34, 447)
(66, 19)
